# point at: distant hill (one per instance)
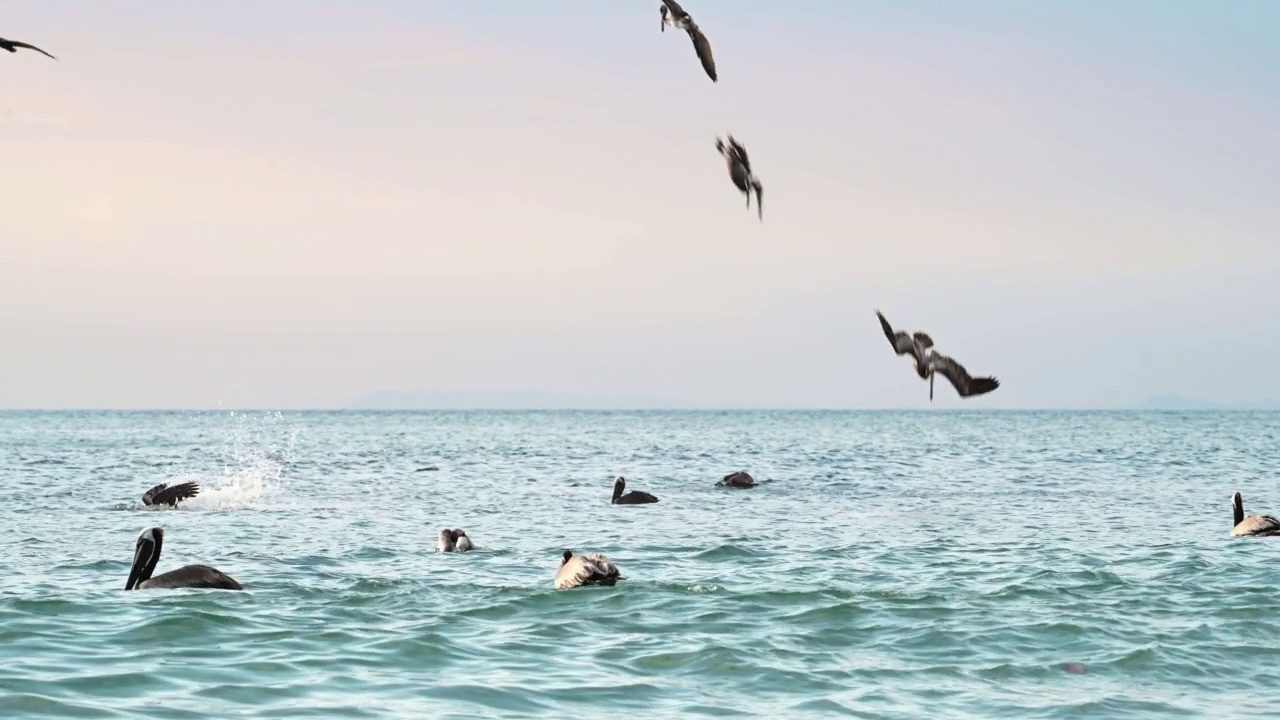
(527, 400)
(1177, 402)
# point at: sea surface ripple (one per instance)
(894, 565)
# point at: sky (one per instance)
(288, 204)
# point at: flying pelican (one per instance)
(147, 553)
(929, 361)
(162, 494)
(635, 497)
(676, 17)
(735, 156)
(1254, 525)
(462, 543)
(13, 45)
(579, 570)
(737, 480)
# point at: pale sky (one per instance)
(288, 204)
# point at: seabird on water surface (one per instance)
(1254, 525)
(579, 570)
(146, 554)
(162, 494)
(635, 497)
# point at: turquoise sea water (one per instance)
(896, 565)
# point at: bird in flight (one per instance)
(735, 156)
(13, 45)
(676, 17)
(929, 361)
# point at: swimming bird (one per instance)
(579, 570)
(635, 497)
(1254, 525)
(737, 480)
(445, 543)
(462, 543)
(162, 494)
(735, 156)
(13, 45)
(676, 17)
(929, 361)
(147, 553)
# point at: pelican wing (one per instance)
(900, 341)
(674, 7)
(741, 150)
(1257, 525)
(922, 339)
(964, 383)
(193, 576)
(582, 570)
(637, 497)
(162, 494)
(15, 43)
(703, 48)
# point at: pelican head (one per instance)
(1237, 509)
(564, 556)
(666, 17)
(146, 554)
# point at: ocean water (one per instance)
(894, 565)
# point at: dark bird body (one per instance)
(1253, 525)
(162, 494)
(675, 16)
(580, 570)
(929, 361)
(735, 157)
(635, 497)
(147, 553)
(737, 480)
(13, 45)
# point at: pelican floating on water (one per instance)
(738, 479)
(579, 570)
(735, 156)
(635, 497)
(929, 361)
(676, 17)
(461, 543)
(1254, 525)
(13, 45)
(147, 553)
(162, 494)
(445, 543)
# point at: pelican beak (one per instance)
(140, 557)
(930, 387)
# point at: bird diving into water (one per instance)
(13, 45)
(928, 362)
(676, 17)
(735, 156)
(146, 554)
(162, 494)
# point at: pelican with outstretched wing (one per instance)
(163, 494)
(676, 17)
(929, 362)
(13, 45)
(739, 164)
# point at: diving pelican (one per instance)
(162, 494)
(13, 45)
(929, 361)
(676, 17)
(735, 156)
(147, 553)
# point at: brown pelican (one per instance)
(635, 497)
(462, 543)
(445, 542)
(737, 480)
(13, 45)
(929, 361)
(735, 156)
(579, 570)
(147, 553)
(1254, 525)
(162, 494)
(676, 17)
